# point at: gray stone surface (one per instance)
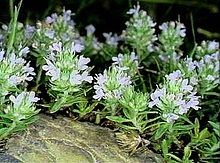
(63, 140)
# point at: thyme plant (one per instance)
(174, 111)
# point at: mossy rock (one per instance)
(63, 140)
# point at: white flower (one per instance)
(76, 47)
(90, 29)
(50, 33)
(134, 10)
(56, 47)
(2, 52)
(75, 78)
(82, 63)
(32, 97)
(51, 70)
(17, 100)
(99, 94)
(85, 77)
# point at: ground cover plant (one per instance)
(152, 93)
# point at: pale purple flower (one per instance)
(32, 97)
(75, 78)
(101, 79)
(174, 75)
(24, 51)
(190, 64)
(14, 80)
(85, 77)
(194, 80)
(117, 60)
(99, 94)
(185, 86)
(133, 56)
(134, 10)
(180, 29)
(26, 77)
(123, 80)
(90, 29)
(76, 47)
(56, 47)
(156, 102)
(183, 109)
(117, 94)
(29, 31)
(2, 52)
(17, 100)
(170, 117)
(14, 60)
(51, 70)
(164, 26)
(158, 93)
(51, 19)
(210, 78)
(82, 63)
(213, 45)
(111, 39)
(50, 33)
(67, 15)
(193, 103)
(29, 70)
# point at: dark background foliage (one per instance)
(110, 15)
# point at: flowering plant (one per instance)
(152, 92)
(68, 73)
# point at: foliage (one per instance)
(172, 118)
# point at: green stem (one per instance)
(38, 78)
(155, 124)
(13, 27)
(11, 4)
(142, 81)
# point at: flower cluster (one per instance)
(175, 97)
(23, 106)
(171, 38)
(13, 71)
(208, 72)
(110, 84)
(55, 28)
(140, 32)
(204, 74)
(24, 34)
(67, 71)
(91, 43)
(188, 68)
(207, 48)
(127, 63)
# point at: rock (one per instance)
(63, 140)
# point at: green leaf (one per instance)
(187, 153)
(183, 127)
(216, 127)
(204, 134)
(161, 131)
(128, 127)
(164, 147)
(174, 157)
(118, 119)
(3, 130)
(129, 113)
(57, 105)
(196, 128)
